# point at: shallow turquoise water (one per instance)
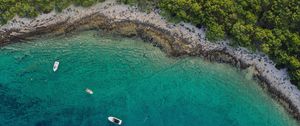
(131, 80)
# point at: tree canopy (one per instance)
(269, 26)
(32, 8)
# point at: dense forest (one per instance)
(32, 8)
(269, 26)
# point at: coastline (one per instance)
(174, 39)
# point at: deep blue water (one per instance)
(131, 80)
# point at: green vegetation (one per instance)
(270, 26)
(144, 5)
(32, 8)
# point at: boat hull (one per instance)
(55, 66)
(115, 120)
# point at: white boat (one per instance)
(115, 120)
(55, 66)
(89, 91)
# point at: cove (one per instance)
(131, 80)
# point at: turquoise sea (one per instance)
(131, 80)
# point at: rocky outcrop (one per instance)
(174, 39)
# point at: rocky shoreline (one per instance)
(174, 39)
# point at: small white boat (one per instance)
(89, 91)
(115, 120)
(55, 66)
